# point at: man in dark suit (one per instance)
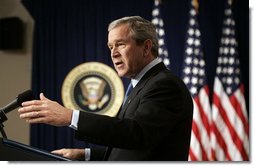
(155, 120)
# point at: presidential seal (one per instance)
(93, 87)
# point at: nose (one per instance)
(114, 52)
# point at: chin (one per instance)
(121, 74)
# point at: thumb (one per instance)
(42, 97)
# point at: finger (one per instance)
(59, 152)
(29, 115)
(32, 102)
(35, 120)
(42, 97)
(24, 110)
(31, 108)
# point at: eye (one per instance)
(110, 47)
(121, 44)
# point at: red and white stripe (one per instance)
(200, 135)
(230, 129)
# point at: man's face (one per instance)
(126, 55)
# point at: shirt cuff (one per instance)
(74, 120)
(87, 154)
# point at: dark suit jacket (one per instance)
(155, 122)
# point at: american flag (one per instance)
(194, 76)
(230, 127)
(158, 22)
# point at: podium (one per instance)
(15, 151)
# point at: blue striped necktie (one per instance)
(127, 93)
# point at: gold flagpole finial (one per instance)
(159, 1)
(195, 4)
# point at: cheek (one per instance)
(126, 57)
(134, 62)
(132, 59)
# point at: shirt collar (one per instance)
(134, 81)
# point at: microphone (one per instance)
(25, 96)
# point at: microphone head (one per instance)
(25, 96)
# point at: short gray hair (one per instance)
(140, 30)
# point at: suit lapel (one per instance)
(153, 71)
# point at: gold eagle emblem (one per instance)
(93, 87)
(92, 90)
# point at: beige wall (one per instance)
(15, 71)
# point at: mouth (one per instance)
(119, 64)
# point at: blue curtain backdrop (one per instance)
(70, 32)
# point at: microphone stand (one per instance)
(3, 118)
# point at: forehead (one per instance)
(119, 32)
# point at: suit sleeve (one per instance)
(108, 131)
(97, 153)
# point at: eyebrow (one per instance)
(116, 41)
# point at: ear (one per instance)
(147, 47)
